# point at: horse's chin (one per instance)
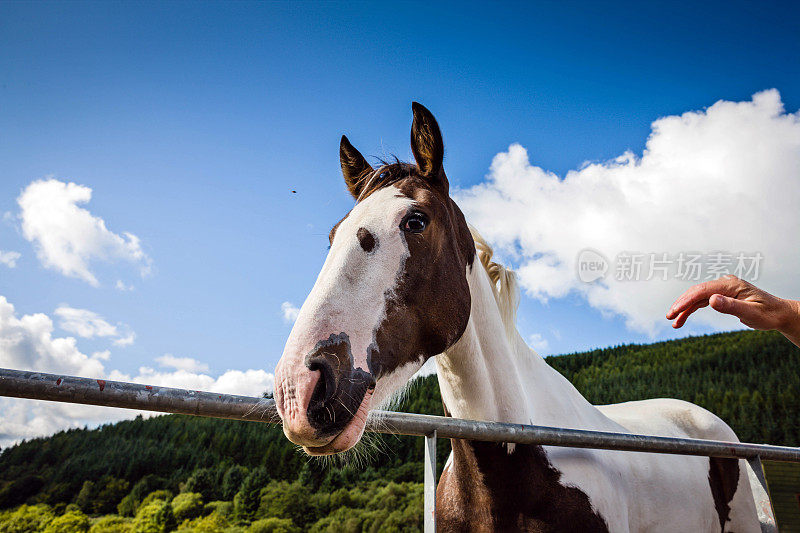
(351, 433)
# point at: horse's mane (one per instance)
(504, 284)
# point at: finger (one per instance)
(702, 291)
(747, 312)
(684, 315)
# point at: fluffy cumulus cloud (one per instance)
(724, 180)
(67, 237)
(181, 363)
(289, 312)
(27, 419)
(88, 324)
(9, 259)
(28, 342)
(243, 382)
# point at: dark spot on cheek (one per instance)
(366, 239)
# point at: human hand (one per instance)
(754, 307)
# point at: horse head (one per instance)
(392, 293)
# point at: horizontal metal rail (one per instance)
(70, 389)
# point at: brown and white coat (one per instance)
(406, 279)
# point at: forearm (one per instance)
(790, 324)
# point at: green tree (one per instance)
(280, 499)
(143, 487)
(342, 520)
(246, 501)
(187, 505)
(27, 518)
(273, 525)
(112, 524)
(158, 495)
(203, 481)
(17, 491)
(86, 497)
(128, 506)
(232, 481)
(213, 523)
(154, 517)
(110, 493)
(224, 509)
(70, 522)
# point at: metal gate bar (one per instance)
(71, 389)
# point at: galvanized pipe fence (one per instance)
(71, 389)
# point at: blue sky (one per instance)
(192, 123)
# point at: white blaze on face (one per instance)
(352, 288)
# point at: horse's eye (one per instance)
(414, 223)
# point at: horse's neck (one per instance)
(488, 376)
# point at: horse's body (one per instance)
(491, 374)
(406, 280)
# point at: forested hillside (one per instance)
(190, 474)
(750, 379)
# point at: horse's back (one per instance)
(728, 479)
(668, 417)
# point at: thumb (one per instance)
(747, 312)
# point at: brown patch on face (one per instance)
(723, 478)
(366, 239)
(488, 489)
(429, 308)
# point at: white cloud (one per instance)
(27, 343)
(245, 383)
(84, 323)
(88, 324)
(105, 355)
(538, 343)
(726, 178)
(68, 238)
(9, 259)
(182, 363)
(125, 340)
(290, 312)
(28, 419)
(122, 286)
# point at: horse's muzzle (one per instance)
(337, 395)
(319, 397)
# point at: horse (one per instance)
(407, 279)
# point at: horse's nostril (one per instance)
(326, 386)
(336, 396)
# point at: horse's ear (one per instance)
(427, 144)
(354, 167)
